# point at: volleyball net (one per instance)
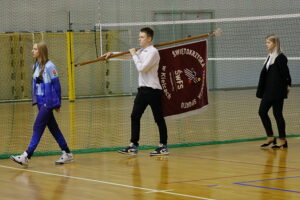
(99, 119)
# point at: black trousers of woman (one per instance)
(277, 106)
(148, 96)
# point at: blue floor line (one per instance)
(270, 188)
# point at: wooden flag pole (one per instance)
(217, 32)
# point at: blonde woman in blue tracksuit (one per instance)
(46, 94)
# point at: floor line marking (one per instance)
(157, 191)
(241, 162)
(270, 188)
(287, 169)
(225, 177)
(106, 182)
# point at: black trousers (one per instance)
(277, 112)
(148, 96)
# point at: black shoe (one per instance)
(267, 144)
(160, 150)
(285, 145)
(130, 150)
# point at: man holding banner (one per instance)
(150, 93)
(172, 81)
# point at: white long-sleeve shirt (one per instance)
(146, 62)
(272, 56)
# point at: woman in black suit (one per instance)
(273, 88)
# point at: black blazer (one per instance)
(273, 82)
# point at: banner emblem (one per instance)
(182, 74)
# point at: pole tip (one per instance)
(218, 32)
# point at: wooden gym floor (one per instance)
(229, 171)
(233, 171)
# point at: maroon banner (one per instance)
(182, 74)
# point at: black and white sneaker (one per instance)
(160, 150)
(130, 150)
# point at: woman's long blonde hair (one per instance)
(43, 56)
(275, 39)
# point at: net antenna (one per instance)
(217, 32)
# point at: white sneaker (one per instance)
(20, 159)
(65, 158)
